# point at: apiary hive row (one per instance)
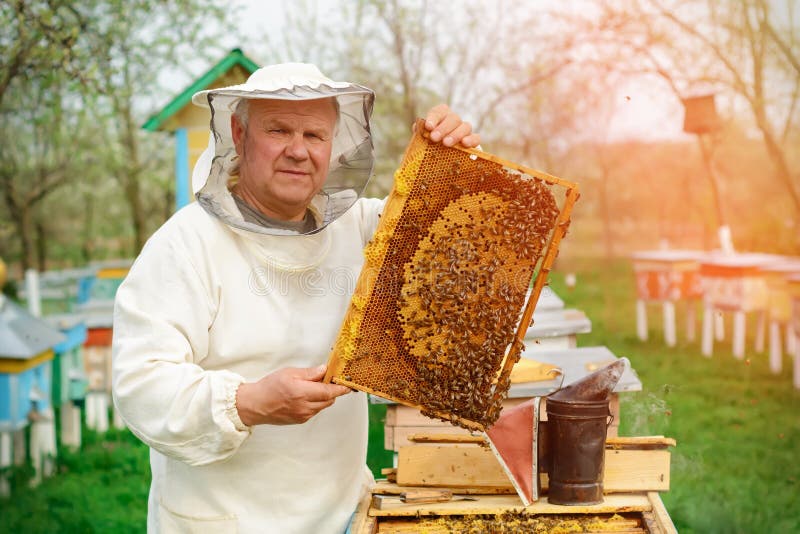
(439, 300)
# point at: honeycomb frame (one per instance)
(461, 230)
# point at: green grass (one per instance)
(102, 488)
(736, 467)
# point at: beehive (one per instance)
(433, 317)
(510, 522)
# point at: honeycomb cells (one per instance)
(444, 283)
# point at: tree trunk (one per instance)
(87, 241)
(394, 23)
(132, 193)
(41, 245)
(758, 103)
(25, 229)
(778, 157)
(130, 170)
(169, 203)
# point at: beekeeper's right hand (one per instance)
(287, 396)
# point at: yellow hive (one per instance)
(433, 318)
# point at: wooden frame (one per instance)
(364, 288)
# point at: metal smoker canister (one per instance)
(577, 431)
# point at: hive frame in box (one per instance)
(475, 177)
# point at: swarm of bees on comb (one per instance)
(433, 318)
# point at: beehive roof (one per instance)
(23, 336)
(234, 58)
(72, 325)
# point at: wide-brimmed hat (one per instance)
(352, 155)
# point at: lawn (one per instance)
(736, 467)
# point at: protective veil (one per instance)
(352, 155)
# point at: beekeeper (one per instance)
(224, 324)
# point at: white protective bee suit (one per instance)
(213, 301)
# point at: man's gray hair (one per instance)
(242, 111)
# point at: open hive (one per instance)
(433, 317)
(510, 523)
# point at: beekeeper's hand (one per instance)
(446, 126)
(287, 396)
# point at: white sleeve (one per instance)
(371, 209)
(162, 314)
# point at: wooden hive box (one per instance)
(26, 353)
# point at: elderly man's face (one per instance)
(284, 154)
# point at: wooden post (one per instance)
(70, 425)
(42, 445)
(641, 319)
(796, 364)
(89, 403)
(19, 447)
(791, 339)
(32, 292)
(5, 462)
(670, 337)
(101, 413)
(691, 319)
(708, 334)
(97, 411)
(761, 328)
(739, 330)
(119, 424)
(775, 352)
(719, 326)
(36, 453)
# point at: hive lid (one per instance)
(575, 364)
(557, 323)
(98, 313)
(595, 386)
(549, 301)
(23, 336)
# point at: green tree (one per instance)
(481, 58)
(40, 38)
(73, 89)
(134, 43)
(742, 51)
(43, 144)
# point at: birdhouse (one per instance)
(26, 353)
(700, 114)
(189, 123)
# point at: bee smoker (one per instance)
(578, 419)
